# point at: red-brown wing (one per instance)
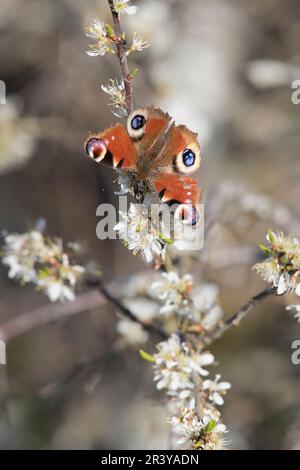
(179, 157)
(112, 147)
(177, 188)
(180, 153)
(147, 127)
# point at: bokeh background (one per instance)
(225, 69)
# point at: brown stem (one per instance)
(121, 51)
(236, 318)
(49, 313)
(127, 313)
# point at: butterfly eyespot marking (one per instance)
(96, 149)
(188, 160)
(187, 214)
(188, 157)
(136, 123)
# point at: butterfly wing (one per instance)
(147, 128)
(134, 147)
(155, 149)
(112, 147)
(179, 157)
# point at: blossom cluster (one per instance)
(196, 303)
(105, 41)
(33, 258)
(139, 234)
(199, 433)
(180, 369)
(282, 266)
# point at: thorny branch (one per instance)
(121, 50)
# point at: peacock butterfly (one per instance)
(155, 152)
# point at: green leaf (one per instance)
(165, 239)
(198, 444)
(134, 72)
(272, 236)
(210, 426)
(265, 249)
(146, 356)
(109, 31)
(43, 273)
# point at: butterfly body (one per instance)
(157, 154)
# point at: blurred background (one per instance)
(225, 69)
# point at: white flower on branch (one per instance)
(20, 254)
(180, 297)
(138, 44)
(297, 309)
(132, 332)
(122, 6)
(175, 365)
(56, 290)
(198, 433)
(205, 298)
(282, 267)
(175, 292)
(116, 91)
(138, 233)
(97, 31)
(31, 257)
(58, 278)
(216, 389)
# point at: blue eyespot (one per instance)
(188, 157)
(138, 122)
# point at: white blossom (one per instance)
(132, 332)
(58, 280)
(138, 233)
(56, 290)
(174, 291)
(97, 31)
(175, 365)
(122, 6)
(138, 43)
(179, 296)
(116, 91)
(216, 389)
(32, 257)
(282, 267)
(20, 253)
(199, 433)
(205, 298)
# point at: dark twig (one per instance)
(236, 318)
(127, 313)
(121, 50)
